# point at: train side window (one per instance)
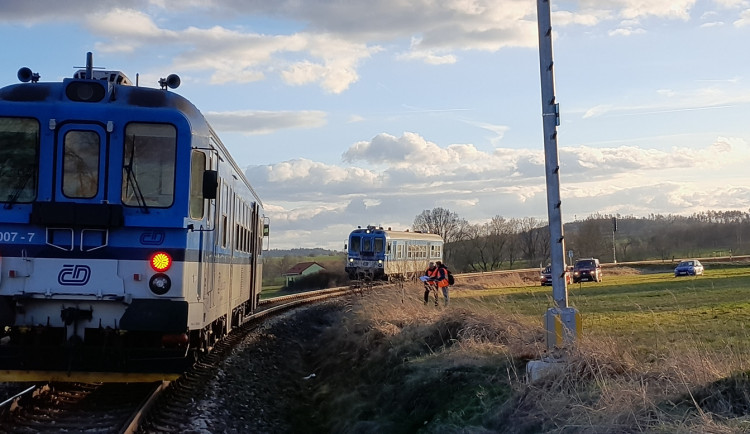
(80, 178)
(197, 167)
(435, 251)
(148, 169)
(224, 232)
(19, 159)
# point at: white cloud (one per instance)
(633, 9)
(597, 111)
(478, 185)
(626, 31)
(430, 56)
(264, 122)
(732, 4)
(744, 19)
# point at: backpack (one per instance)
(451, 280)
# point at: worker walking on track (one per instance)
(430, 283)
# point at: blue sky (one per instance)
(361, 112)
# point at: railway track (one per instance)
(124, 407)
(61, 407)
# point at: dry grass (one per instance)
(412, 367)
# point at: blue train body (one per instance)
(374, 253)
(129, 238)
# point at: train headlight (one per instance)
(160, 283)
(351, 260)
(160, 261)
(85, 91)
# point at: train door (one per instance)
(255, 248)
(222, 253)
(80, 176)
(212, 245)
(230, 291)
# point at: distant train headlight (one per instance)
(160, 283)
(351, 260)
(160, 261)
(85, 91)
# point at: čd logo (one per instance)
(74, 275)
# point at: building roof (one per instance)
(300, 268)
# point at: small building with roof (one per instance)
(302, 269)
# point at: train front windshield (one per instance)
(148, 168)
(366, 244)
(19, 159)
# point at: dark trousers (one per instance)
(427, 289)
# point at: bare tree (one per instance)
(514, 242)
(531, 238)
(591, 240)
(440, 221)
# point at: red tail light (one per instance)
(161, 261)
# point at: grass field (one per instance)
(650, 310)
(657, 354)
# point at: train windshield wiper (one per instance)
(132, 181)
(19, 187)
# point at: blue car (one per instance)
(692, 267)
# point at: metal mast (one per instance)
(561, 315)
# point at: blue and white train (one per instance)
(374, 253)
(130, 240)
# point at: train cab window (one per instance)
(355, 244)
(379, 244)
(148, 169)
(367, 245)
(197, 167)
(80, 178)
(19, 159)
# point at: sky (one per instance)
(362, 112)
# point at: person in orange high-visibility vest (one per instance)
(442, 281)
(431, 284)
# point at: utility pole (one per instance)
(563, 323)
(614, 229)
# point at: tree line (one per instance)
(511, 243)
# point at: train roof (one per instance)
(405, 235)
(400, 235)
(104, 93)
(113, 87)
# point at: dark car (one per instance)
(546, 276)
(587, 269)
(692, 267)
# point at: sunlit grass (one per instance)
(648, 309)
(657, 354)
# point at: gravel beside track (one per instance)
(257, 387)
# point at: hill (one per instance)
(299, 252)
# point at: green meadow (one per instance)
(650, 309)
